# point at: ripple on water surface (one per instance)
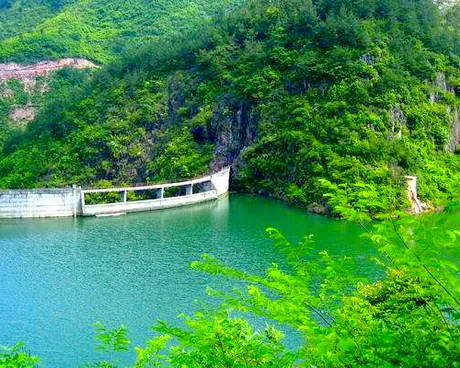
(59, 277)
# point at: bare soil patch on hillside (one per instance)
(43, 68)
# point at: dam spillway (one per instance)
(68, 202)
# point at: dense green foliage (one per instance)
(407, 319)
(16, 357)
(15, 94)
(21, 16)
(299, 95)
(94, 29)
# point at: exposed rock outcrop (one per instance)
(20, 115)
(43, 68)
(233, 127)
(397, 121)
(440, 84)
(454, 144)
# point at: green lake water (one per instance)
(60, 276)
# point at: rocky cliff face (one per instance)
(230, 124)
(439, 85)
(233, 127)
(454, 145)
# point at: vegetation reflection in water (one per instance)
(59, 277)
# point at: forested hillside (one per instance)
(20, 16)
(303, 97)
(32, 30)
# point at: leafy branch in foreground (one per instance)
(219, 339)
(111, 341)
(409, 318)
(16, 357)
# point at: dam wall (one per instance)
(36, 203)
(221, 181)
(148, 205)
(211, 188)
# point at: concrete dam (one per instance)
(41, 203)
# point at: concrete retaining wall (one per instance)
(40, 203)
(71, 202)
(218, 185)
(221, 181)
(148, 205)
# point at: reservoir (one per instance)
(60, 276)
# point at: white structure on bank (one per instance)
(418, 206)
(35, 203)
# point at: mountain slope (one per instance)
(302, 97)
(38, 30)
(93, 29)
(21, 16)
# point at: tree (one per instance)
(17, 357)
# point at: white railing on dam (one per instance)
(147, 205)
(32, 203)
(211, 186)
